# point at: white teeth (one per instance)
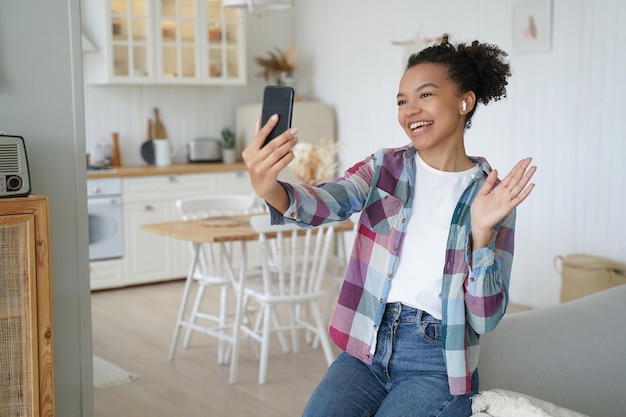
(419, 124)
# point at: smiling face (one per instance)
(430, 110)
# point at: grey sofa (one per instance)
(572, 354)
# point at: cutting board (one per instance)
(158, 129)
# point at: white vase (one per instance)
(163, 152)
(286, 78)
(229, 156)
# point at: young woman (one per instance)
(431, 262)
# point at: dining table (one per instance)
(219, 230)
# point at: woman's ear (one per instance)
(468, 102)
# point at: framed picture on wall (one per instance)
(532, 26)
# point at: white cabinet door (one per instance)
(152, 199)
(147, 257)
(178, 40)
(123, 34)
(164, 42)
(223, 46)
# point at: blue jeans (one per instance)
(407, 378)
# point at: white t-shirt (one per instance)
(418, 279)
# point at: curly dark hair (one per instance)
(477, 67)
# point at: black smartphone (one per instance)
(277, 99)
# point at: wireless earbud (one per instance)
(464, 105)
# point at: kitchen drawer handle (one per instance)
(171, 178)
(148, 207)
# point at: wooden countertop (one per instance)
(174, 169)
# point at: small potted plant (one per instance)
(229, 153)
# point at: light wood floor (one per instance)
(132, 327)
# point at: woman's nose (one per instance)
(412, 108)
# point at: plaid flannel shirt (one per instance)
(474, 295)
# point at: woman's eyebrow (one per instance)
(421, 87)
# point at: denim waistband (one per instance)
(406, 313)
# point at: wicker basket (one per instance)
(583, 275)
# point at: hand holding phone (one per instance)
(277, 99)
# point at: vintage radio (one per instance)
(14, 175)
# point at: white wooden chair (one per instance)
(293, 268)
(210, 270)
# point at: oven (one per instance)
(104, 205)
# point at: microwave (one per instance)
(14, 174)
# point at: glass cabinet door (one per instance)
(130, 38)
(165, 42)
(178, 40)
(224, 42)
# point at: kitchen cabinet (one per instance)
(26, 356)
(148, 259)
(164, 42)
(151, 199)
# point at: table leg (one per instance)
(183, 302)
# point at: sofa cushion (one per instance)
(503, 403)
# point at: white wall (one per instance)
(41, 99)
(565, 109)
